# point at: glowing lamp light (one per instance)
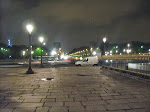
(53, 53)
(23, 52)
(124, 50)
(32, 52)
(65, 57)
(41, 39)
(62, 56)
(106, 61)
(104, 39)
(80, 58)
(128, 51)
(128, 45)
(94, 53)
(29, 28)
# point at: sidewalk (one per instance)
(72, 89)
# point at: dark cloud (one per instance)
(76, 22)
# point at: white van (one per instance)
(88, 61)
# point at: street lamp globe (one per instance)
(94, 53)
(104, 39)
(29, 28)
(23, 53)
(128, 45)
(41, 39)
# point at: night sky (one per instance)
(75, 23)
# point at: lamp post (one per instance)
(104, 40)
(41, 39)
(29, 28)
(128, 50)
(142, 49)
(128, 45)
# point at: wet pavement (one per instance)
(72, 89)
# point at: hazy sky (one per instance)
(75, 23)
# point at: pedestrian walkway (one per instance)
(71, 89)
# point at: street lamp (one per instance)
(128, 45)
(104, 40)
(142, 49)
(44, 43)
(116, 51)
(41, 39)
(128, 50)
(124, 50)
(29, 28)
(94, 53)
(23, 53)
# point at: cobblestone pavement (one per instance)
(73, 89)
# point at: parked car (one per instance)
(88, 61)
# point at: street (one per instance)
(71, 89)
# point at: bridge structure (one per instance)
(143, 56)
(133, 64)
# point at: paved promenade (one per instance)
(72, 89)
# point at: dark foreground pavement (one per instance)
(73, 89)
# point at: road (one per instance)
(72, 89)
(10, 66)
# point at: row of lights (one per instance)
(86, 50)
(124, 50)
(91, 49)
(2, 49)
